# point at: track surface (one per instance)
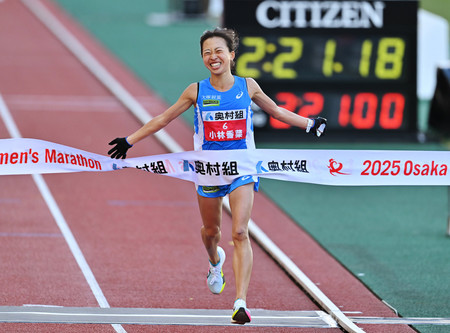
(139, 233)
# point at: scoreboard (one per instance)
(352, 62)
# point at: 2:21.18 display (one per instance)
(352, 62)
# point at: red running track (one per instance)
(139, 233)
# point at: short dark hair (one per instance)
(229, 35)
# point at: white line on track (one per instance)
(87, 314)
(402, 320)
(99, 71)
(59, 218)
(189, 317)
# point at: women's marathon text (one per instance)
(50, 156)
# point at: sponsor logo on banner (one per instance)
(336, 167)
(188, 166)
(158, 167)
(116, 167)
(284, 165)
(228, 168)
(260, 168)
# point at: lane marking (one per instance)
(58, 217)
(401, 320)
(191, 317)
(155, 316)
(167, 141)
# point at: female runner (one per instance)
(222, 121)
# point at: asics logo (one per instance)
(239, 95)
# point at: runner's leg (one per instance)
(211, 213)
(241, 203)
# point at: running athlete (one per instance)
(222, 121)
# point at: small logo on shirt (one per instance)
(211, 102)
(239, 95)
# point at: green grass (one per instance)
(438, 7)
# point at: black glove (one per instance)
(120, 148)
(318, 127)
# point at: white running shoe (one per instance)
(241, 314)
(215, 279)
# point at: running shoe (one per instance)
(241, 314)
(215, 279)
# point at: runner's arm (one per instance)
(268, 105)
(184, 102)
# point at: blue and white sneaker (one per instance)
(215, 279)
(241, 314)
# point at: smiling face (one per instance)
(216, 55)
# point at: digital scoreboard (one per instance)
(352, 62)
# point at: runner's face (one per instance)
(216, 55)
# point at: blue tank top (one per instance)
(223, 120)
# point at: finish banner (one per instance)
(326, 167)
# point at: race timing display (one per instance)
(352, 62)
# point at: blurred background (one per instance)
(156, 25)
(394, 239)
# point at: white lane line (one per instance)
(401, 320)
(125, 315)
(167, 141)
(191, 317)
(8, 120)
(58, 216)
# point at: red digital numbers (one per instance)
(313, 104)
(365, 107)
(394, 121)
(362, 111)
(309, 105)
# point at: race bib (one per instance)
(225, 125)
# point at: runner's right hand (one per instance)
(120, 149)
(318, 126)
